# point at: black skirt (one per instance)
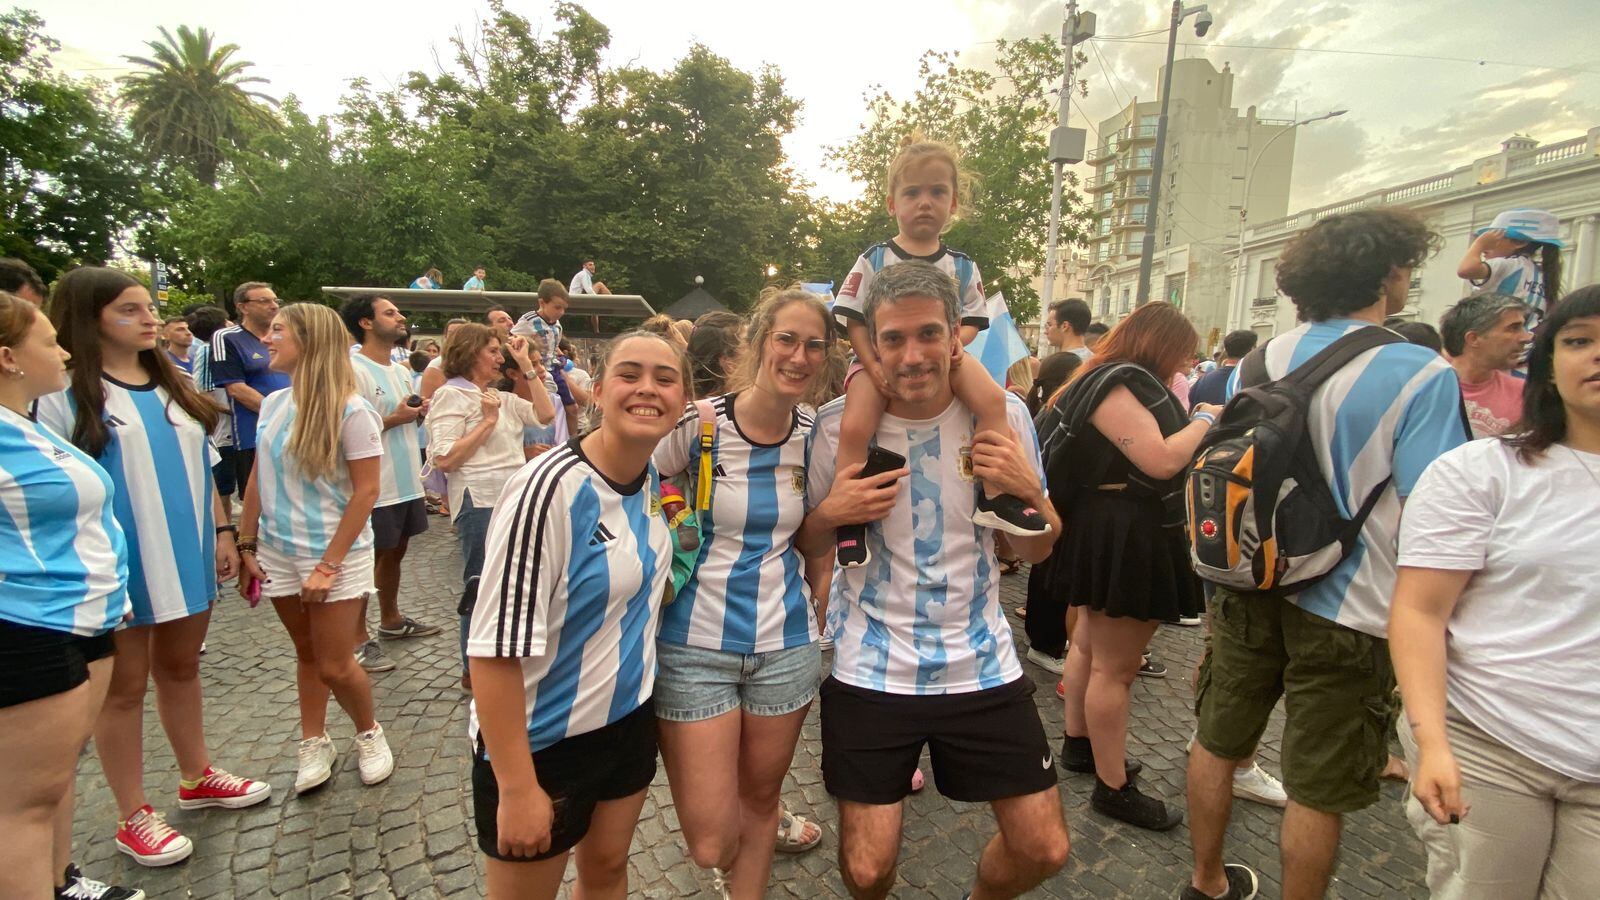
(1117, 559)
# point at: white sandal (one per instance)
(792, 833)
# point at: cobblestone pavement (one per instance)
(412, 836)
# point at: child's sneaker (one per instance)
(316, 763)
(148, 838)
(373, 756)
(77, 887)
(1007, 513)
(219, 788)
(851, 542)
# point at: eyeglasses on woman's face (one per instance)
(788, 342)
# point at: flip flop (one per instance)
(792, 833)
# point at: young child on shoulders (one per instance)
(925, 184)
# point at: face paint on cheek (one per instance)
(123, 323)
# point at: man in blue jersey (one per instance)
(1376, 424)
(238, 364)
(922, 651)
(400, 512)
(176, 341)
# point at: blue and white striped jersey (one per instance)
(923, 616)
(160, 461)
(298, 514)
(1519, 277)
(200, 360)
(1391, 411)
(63, 559)
(573, 577)
(747, 593)
(958, 265)
(386, 387)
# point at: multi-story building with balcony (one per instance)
(1562, 178)
(1211, 147)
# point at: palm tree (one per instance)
(189, 101)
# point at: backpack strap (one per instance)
(1253, 368)
(1330, 359)
(708, 439)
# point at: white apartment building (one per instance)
(1211, 148)
(1563, 178)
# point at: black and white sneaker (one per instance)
(80, 888)
(851, 543)
(1007, 513)
(1242, 885)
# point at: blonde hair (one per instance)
(773, 301)
(323, 384)
(916, 149)
(1021, 374)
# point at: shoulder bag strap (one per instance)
(708, 438)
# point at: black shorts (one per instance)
(398, 522)
(243, 462)
(986, 745)
(578, 772)
(223, 473)
(43, 662)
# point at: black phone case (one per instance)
(880, 461)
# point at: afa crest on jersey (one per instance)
(797, 481)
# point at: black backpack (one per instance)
(1262, 519)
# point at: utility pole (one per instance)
(1067, 147)
(1152, 216)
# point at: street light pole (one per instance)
(1152, 210)
(1066, 148)
(1244, 206)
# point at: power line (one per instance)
(1104, 73)
(1391, 55)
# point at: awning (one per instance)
(473, 304)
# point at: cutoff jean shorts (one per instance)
(694, 684)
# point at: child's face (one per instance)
(924, 199)
(551, 309)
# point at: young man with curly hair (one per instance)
(1376, 424)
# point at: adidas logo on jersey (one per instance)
(602, 535)
(114, 422)
(719, 472)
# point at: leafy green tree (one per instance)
(999, 118)
(70, 179)
(190, 101)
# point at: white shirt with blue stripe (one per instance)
(160, 461)
(1516, 276)
(923, 615)
(1391, 411)
(747, 593)
(573, 576)
(300, 514)
(63, 559)
(958, 265)
(386, 387)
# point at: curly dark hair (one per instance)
(1338, 265)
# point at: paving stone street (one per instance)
(412, 837)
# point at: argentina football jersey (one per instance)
(386, 387)
(958, 265)
(747, 593)
(572, 583)
(298, 514)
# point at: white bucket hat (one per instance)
(1534, 225)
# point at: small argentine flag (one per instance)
(1000, 345)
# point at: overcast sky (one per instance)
(1510, 67)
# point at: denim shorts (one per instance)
(694, 684)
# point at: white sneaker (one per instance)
(1190, 621)
(317, 757)
(1044, 661)
(1255, 784)
(373, 756)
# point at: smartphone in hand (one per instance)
(880, 461)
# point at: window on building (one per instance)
(1105, 300)
(1126, 304)
(1173, 291)
(1141, 185)
(1267, 278)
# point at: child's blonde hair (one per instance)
(917, 148)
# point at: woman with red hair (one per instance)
(1116, 444)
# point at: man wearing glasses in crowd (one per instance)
(239, 366)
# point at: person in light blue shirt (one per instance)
(475, 283)
(431, 280)
(64, 571)
(1376, 425)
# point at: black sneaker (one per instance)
(1152, 669)
(1242, 885)
(1129, 805)
(1077, 755)
(81, 888)
(1007, 513)
(851, 542)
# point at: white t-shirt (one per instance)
(582, 283)
(456, 411)
(923, 615)
(298, 514)
(1523, 645)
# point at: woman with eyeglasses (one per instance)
(738, 656)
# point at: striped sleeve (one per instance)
(676, 450)
(524, 562)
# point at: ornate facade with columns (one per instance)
(1562, 178)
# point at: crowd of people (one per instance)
(657, 555)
